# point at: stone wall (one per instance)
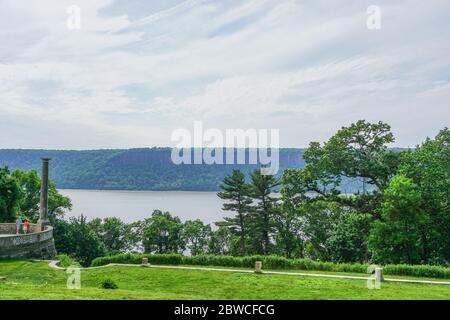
(36, 245)
(10, 228)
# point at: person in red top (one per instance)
(26, 226)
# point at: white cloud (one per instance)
(128, 78)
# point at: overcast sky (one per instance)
(139, 69)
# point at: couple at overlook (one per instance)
(22, 225)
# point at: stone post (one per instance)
(43, 209)
(145, 262)
(258, 267)
(379, 275)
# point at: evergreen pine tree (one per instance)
(262, 216)
(235, 192)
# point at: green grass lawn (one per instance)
(35, 280)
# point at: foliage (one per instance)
(222, 242)
(108, 283)
(428, 167)
(163, 233)
(319, 218)
(114, 234)
(348, 240)
(77, 239)
(20, 196)
(235, 191)
(132, 169)
(357, 151)
(397, 237)
(408, 220)
(400, 213)
(403, 219)
(129, 258)
(10, 195)
(65, 261)
(289, 232)
(262, 223)
(196, 236)
(273, 263)
(30, 183)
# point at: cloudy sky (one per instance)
(139, 69)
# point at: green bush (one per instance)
(172, 259)
(418, 270)
(65, 261)
(120, 258)
(273, 262)
(109, 284)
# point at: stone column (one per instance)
(43, 210)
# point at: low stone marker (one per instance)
(145, 262)
(379, 274)
(258, 267)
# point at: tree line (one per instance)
(132, 169)
(401, 215)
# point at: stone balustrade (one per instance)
(39, 245)
(10, 228)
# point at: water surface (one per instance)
(136, 205)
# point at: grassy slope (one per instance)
(35, 280)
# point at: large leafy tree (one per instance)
(319, 218)
(289, 223)
(221, 242)
(114, 234)
(397, 237)
(359, 153)
(289, 233)
(30, 184)
(163, 233)
(428, 166)
(197, 236)
(348, 240)
(236, 194)
(330, 221)
(78, 239)
(10, 195)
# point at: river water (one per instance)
(136, 205)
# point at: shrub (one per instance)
(65, 261)
(418, 270)
(273, 262)
(108, 283)
(173, 259)
(120, 258)
(128, 258)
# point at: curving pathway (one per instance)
(54, 264)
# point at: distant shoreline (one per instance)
(128, 190)
(140, 170)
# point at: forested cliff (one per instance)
(133, 169)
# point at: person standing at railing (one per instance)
(26, 226)
(18, 225)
